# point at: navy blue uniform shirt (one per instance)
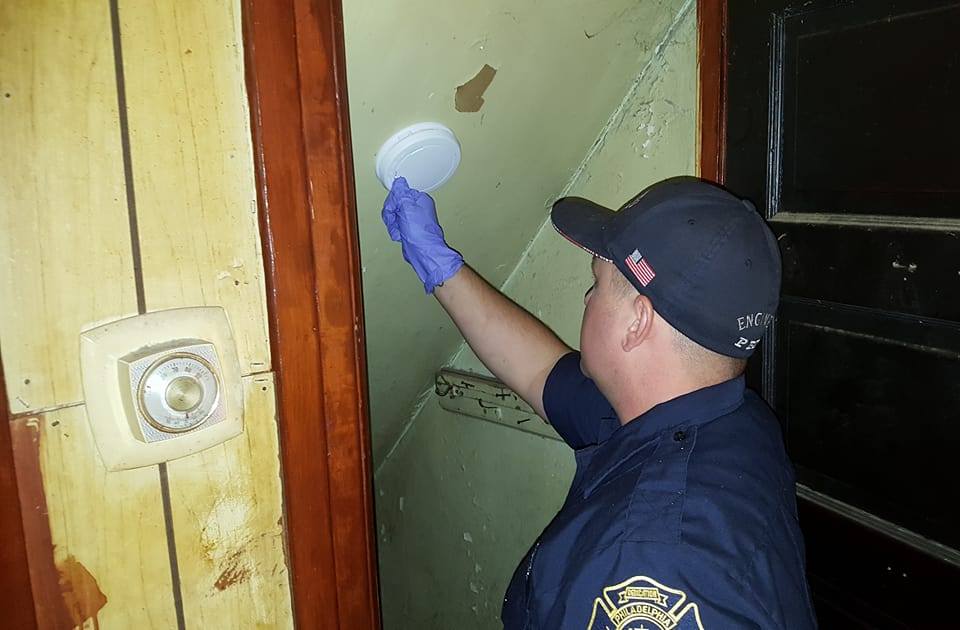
(683, 518)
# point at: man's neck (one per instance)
(639, 393)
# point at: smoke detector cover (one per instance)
(426, 154)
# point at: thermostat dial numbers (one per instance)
(178, 392)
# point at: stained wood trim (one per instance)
(712, 61)
(16, 594)
(297, 91)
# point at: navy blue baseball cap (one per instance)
(706, 258)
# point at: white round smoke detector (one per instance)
(426, 154)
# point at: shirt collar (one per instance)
(694, 408)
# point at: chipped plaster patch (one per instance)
(469, 96)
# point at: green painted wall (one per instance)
(460, 500)
(562, 67)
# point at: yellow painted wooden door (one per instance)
(127, 186)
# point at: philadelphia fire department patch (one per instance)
(642, 603)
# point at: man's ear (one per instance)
(641, 311)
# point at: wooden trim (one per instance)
(45, 579)
(16, 593)
(302, 154)
(712, 61)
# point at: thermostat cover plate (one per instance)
(111, 395)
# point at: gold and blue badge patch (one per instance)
(642, 603)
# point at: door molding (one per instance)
(302, 156)
(712, 62)
(15, 584)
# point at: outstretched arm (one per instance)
(514, 345)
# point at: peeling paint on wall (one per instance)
(469, 96)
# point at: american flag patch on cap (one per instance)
(640, 268)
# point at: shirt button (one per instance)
(679, 436)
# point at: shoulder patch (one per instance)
(642, 603)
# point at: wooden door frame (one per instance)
(303, 159)
(16, 592)
(712, 62)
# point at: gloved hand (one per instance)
(411, 219)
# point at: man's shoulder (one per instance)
(740, 494)
(743, 448)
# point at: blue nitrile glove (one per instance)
(411, 219)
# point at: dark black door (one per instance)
(843, 124)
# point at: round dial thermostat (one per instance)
(178, 392)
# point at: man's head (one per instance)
(621, 329)
(687, 276)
